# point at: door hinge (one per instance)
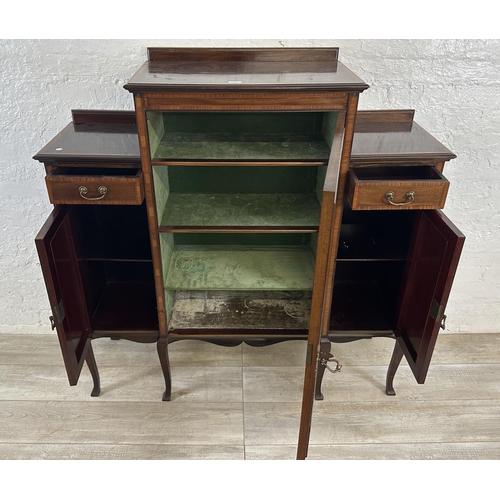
(437, 311)
(59, 312)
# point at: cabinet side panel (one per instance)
(156, 130)
(161, 188)
(166, 251)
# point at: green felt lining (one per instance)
(240, 268)
(291, 136)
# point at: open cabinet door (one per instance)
(59, 263)
(435, 250)
(328, 236)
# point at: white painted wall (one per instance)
(454, 85)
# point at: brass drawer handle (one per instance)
(101, 189)
(410, 197)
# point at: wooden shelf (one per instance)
(242, 146)
(238, 267)
(227, 211)
(216, 312)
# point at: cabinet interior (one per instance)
(240, 136)
(238, 241)
(114, 255)
(371, 260)
(217, 197)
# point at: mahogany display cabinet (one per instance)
(247, 200)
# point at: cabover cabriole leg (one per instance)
(91, 363)
(162, 347)
(397, 356)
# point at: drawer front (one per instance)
(99, 190)
(366, 192)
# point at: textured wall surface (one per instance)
(454, 86)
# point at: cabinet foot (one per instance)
(397, 355)
(162, 348)
(91, 363)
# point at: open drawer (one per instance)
(84, 186)
(397, 187)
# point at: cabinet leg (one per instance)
(324, 355)
(397, 355)
(91, 363)
(162, 347)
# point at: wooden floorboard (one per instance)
(235, 403)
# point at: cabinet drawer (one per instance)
(396, 188)
(72, 186)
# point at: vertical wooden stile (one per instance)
(329, 232)
(151, 211)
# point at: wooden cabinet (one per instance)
(247, 200)
(241, 151)
(96, 257)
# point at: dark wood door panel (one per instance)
(432, 262)
(60, 270)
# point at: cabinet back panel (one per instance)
(365, 295)
(286, 136)
(111, 232)
(242, 179)
(127, 287)
(267, 122)
(245, 239)
(375, 234)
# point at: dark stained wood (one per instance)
(382, 141)
(121, 189)
(358, 306)
(126, 307)
(141, 336)
(434, 254)
(84, 116)
(291, 54)
(91, 363)
(111, 233)
(249, 68)
(396, 358)
(399, 120)
(95, 136)
(162, 348)
(60, 270)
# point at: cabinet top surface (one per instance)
(393, 135)
(112, 136)
(170, 69)
(95, 136)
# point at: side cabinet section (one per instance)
(432, 262)
(56, 250)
